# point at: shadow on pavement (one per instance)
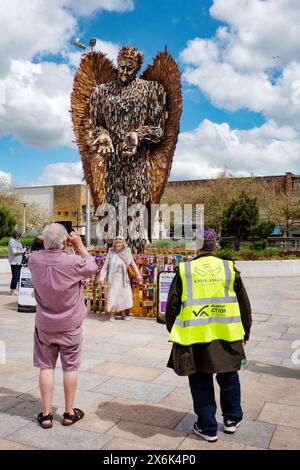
(27, 407)
(276, 371)
(155, 416)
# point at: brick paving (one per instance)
(132, 401)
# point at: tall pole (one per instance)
(88, 218)
(24, 218)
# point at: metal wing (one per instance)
(94, 69)
(165, 71)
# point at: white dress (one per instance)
(119, 298)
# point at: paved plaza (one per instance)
(132, 401)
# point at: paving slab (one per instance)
(154, 415)
(93, 422)
(7, 402)
(159, 354)
(86, 381)
(60, 438)
(126, 371)
(255, 433)
(150, 435)
(134, 389)
(123, 444)
(285, 415)
(179, 398)
(11, 423)
(149, 400)
(187, 422)
(6, 444)
(168, 377)
(197, 443)
(286, 438)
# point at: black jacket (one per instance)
(217, 356)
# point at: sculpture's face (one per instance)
(127, 70)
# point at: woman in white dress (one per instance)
(115, 269)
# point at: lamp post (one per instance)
(88, 218)
(82, 46)
(24, 218)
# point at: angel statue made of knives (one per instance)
(126, 127)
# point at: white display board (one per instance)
(163, 286)
(26, 300)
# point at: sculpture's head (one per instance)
(130, 61)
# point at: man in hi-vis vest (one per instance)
(209, 319)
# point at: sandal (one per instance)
(41, 418)
(78, 414)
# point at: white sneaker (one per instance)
(231, 426)
(125, 317)
(204, 436)
(112, 318)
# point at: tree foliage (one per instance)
(241, 216)
(36, 216)
(217, 194)
(7, 222)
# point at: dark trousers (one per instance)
(202, 389)
(15, 270)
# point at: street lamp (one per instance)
(77, 43)
(24, 217)
(88, 218)
(92, 43)
(83, 47)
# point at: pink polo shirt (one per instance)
(56, 278)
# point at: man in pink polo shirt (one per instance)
(56, 277)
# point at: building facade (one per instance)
(68, 202)
(62, 202)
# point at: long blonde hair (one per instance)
(115, 241)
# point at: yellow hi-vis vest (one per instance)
(209, 309)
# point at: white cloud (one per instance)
(87, 7)
(251, 62)
(60, 173)
(37, 104)
(207, 150)
(35, 94)
(32, 27)
(259, 30)
(5, 181)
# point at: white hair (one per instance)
(54, 236)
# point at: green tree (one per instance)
(264, 229)
(240, 217)
(7, 222)
(285, 211)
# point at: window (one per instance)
(66, 213)
(59, 213)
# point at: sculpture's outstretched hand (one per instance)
(130, 144)
(106, 148)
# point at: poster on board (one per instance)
(164, 281)
(26, 300)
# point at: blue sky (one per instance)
(235, 111)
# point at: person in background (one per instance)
(115, 269)
(56, 278)
(37, 244)
(15, 254)
(208, 316)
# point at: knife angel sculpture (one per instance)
(126, 127)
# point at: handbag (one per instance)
(131, 272)
(130, 268)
